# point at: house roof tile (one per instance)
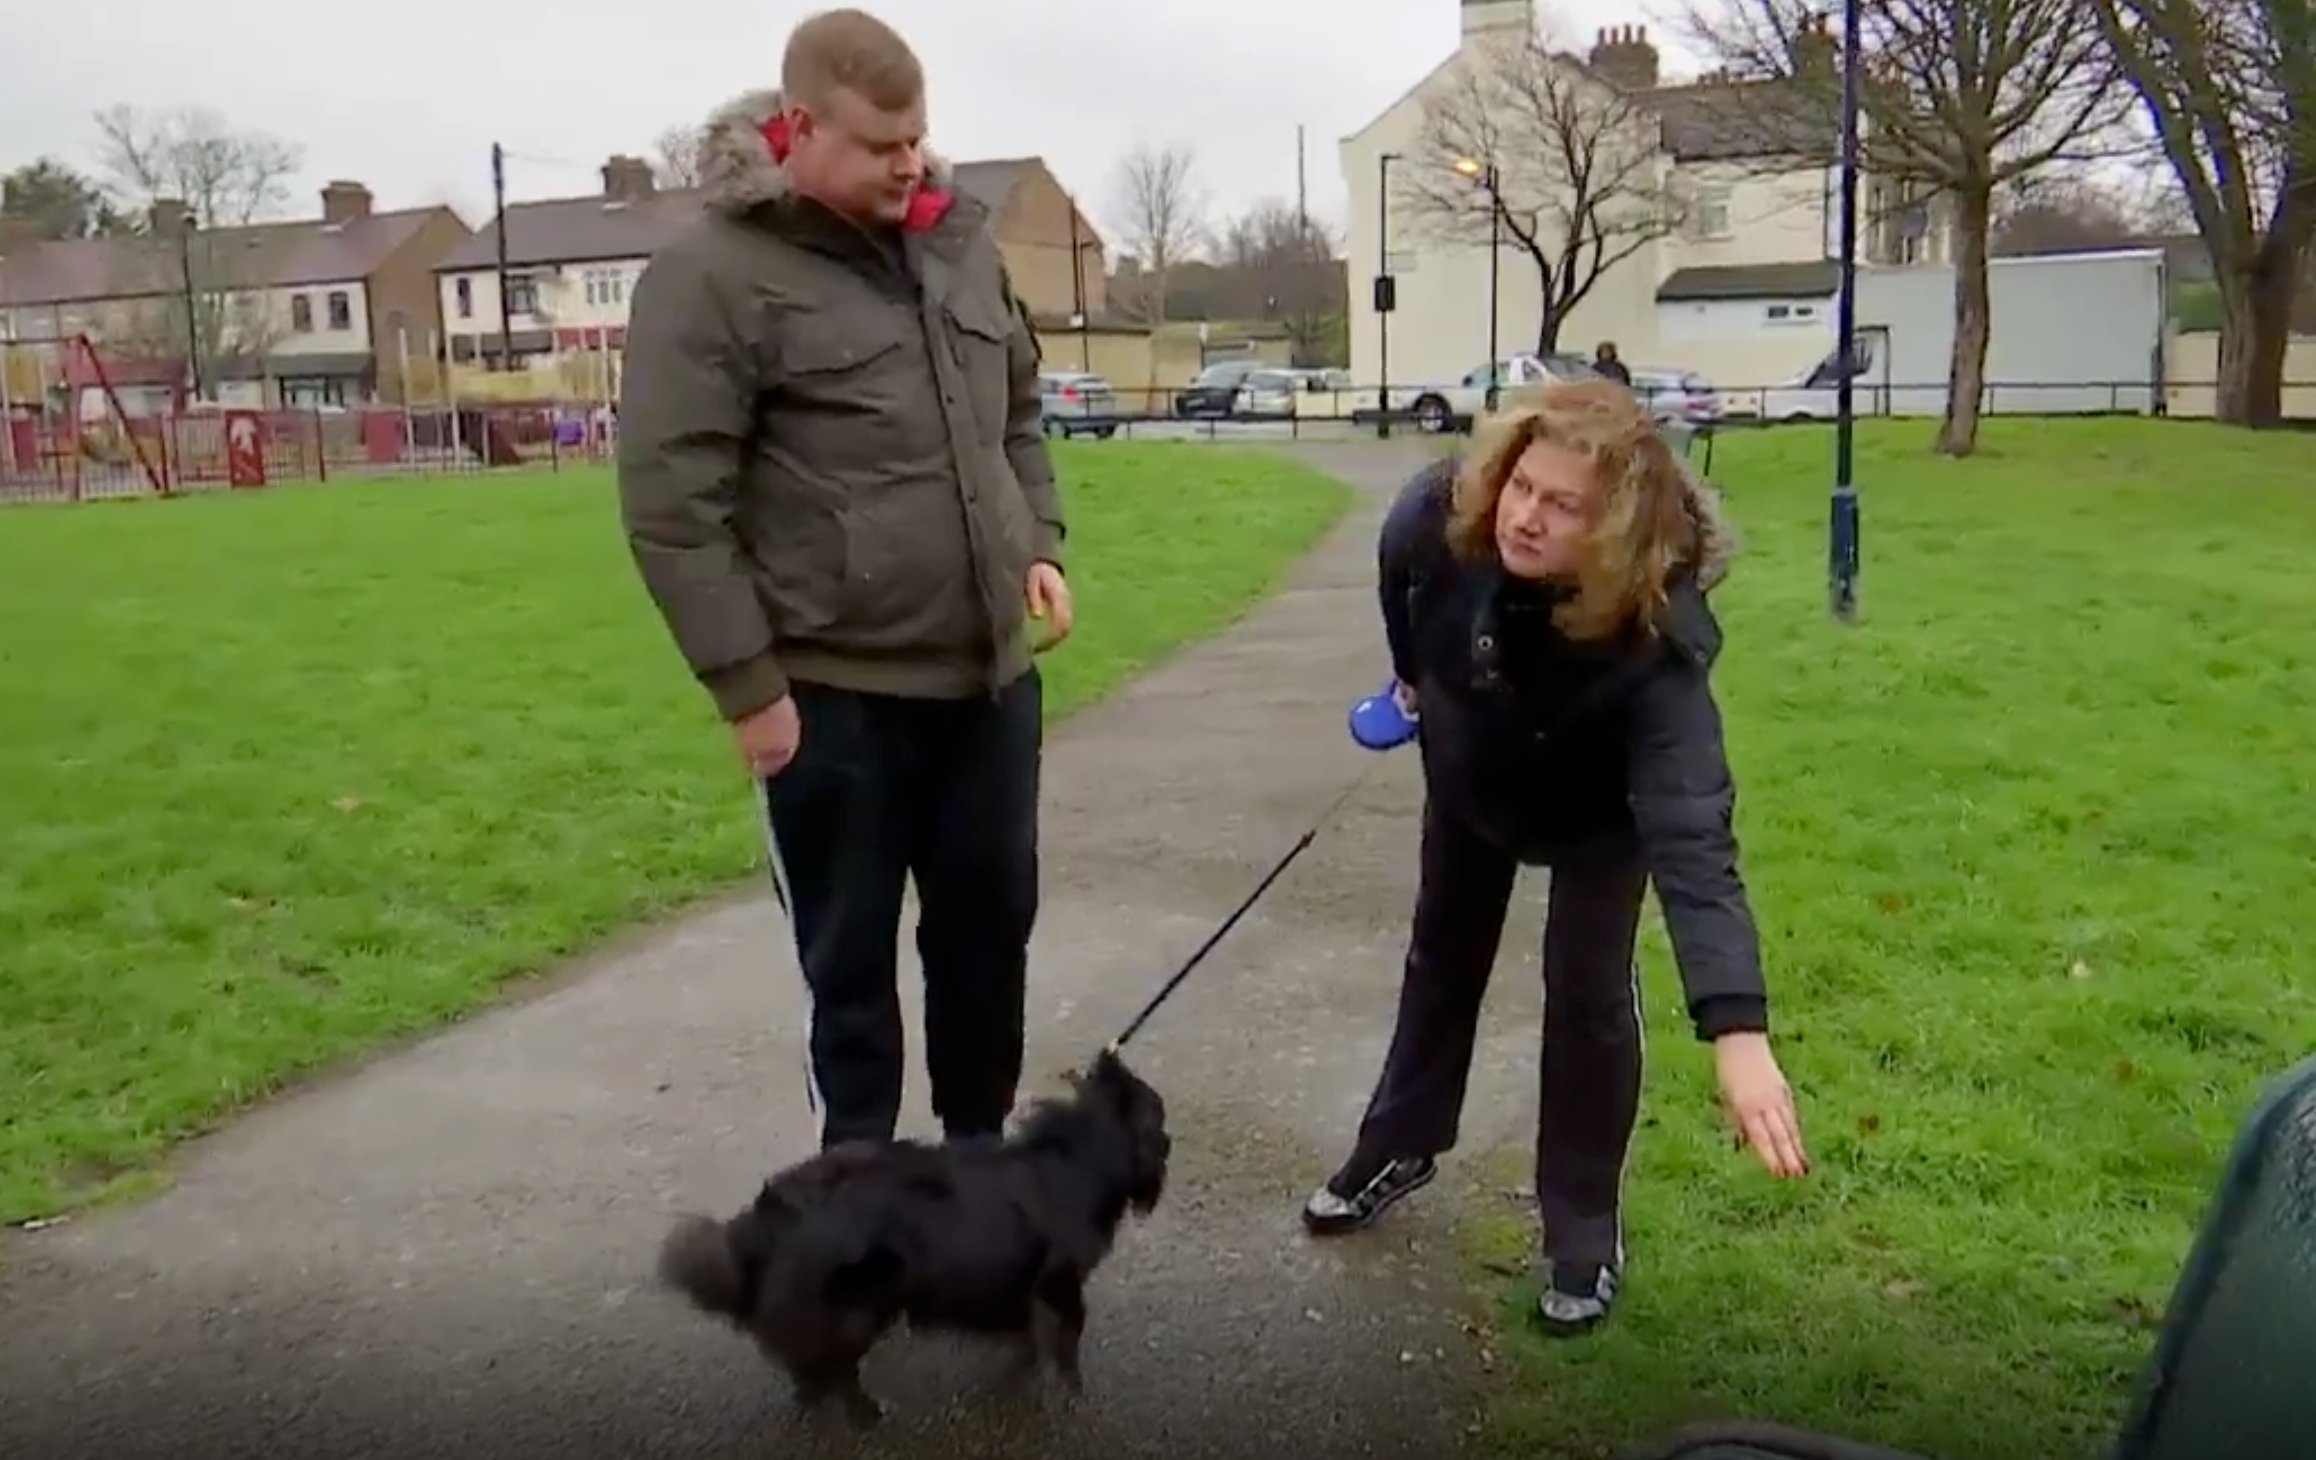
(593, 228)
(1751, 281)
(256, 256)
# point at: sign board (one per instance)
(244, 449)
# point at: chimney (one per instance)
(1624, 55)
(1492, 18)
(627, 179)
(1815, 52)
(169, 217)
(343, 202)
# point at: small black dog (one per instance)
(972, 1239)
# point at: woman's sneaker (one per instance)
(1340, 1206)
(1577, 1297)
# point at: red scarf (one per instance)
(927, 205)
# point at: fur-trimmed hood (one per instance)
(1717, 542)
(737, 168)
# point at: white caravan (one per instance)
(2071, 334)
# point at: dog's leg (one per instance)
(1063, 1296)
(838, 1380)
(1024, 1365)
(863, 1411)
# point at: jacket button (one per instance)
(1486, 643)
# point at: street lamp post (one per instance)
(1386, 294)
(1485, 174)
(1842, 549)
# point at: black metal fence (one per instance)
(1432, 408)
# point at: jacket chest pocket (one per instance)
(849, 390)
(980, 334)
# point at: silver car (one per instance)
(1077, 402)
(1271, 393)
(1677, 395)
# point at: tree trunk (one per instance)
(1966, 370)
(2239, 330)
(1548, 331)
(2273, 293)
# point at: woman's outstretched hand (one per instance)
(1760, 1103)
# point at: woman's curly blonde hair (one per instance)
(1644, 524)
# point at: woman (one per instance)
(1545, 608)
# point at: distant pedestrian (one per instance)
(1606, 362)
(836, 487)
(1544, 603)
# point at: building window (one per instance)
(465, 292)
(1712, 215)
(606, 286)
(341, 310)
(522, 294)
(302, 313)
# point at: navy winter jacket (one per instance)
(1558, 752)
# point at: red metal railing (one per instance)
(52, 457)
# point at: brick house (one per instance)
(572, 262)
(312, 311)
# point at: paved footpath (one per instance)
(447, 1253)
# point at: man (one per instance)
(835, 485)
(1606, 363)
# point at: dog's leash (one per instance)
(1166, 990)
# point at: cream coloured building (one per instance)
(1741, 289)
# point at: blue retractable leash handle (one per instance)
(1378, 723)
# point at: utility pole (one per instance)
(192, 306)
(1842, 548)
(1302, 199)
(1386, 294)
(1078, 291)
(499, 226)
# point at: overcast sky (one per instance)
(407, 96)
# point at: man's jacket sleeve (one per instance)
(1025, 444)
(687, 402)
(1684, 805)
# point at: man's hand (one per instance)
(1759, 1103)
(768, 738)
(1049, 598)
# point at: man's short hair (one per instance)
(850, 50)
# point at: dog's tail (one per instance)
(697, 1260)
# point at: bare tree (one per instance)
(1277, 262)
(677, 162)
(201, 192)
(1960, 98)
(2059, 214)
(2229, 91)
(1161, 210)
(189, 155)
(1580, 182)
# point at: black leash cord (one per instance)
(1166, 990)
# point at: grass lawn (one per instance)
(290, 774)
(2030, 849)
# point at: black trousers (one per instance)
(1591, 1060)
(883, 790)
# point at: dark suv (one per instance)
(1214, 394)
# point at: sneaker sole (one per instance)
(1561, 1328)
(1337, 1226)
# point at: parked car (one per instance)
(1681, 395)
(1273, 394)
(1456, 407)
(1213, 394)
(1077, 402)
